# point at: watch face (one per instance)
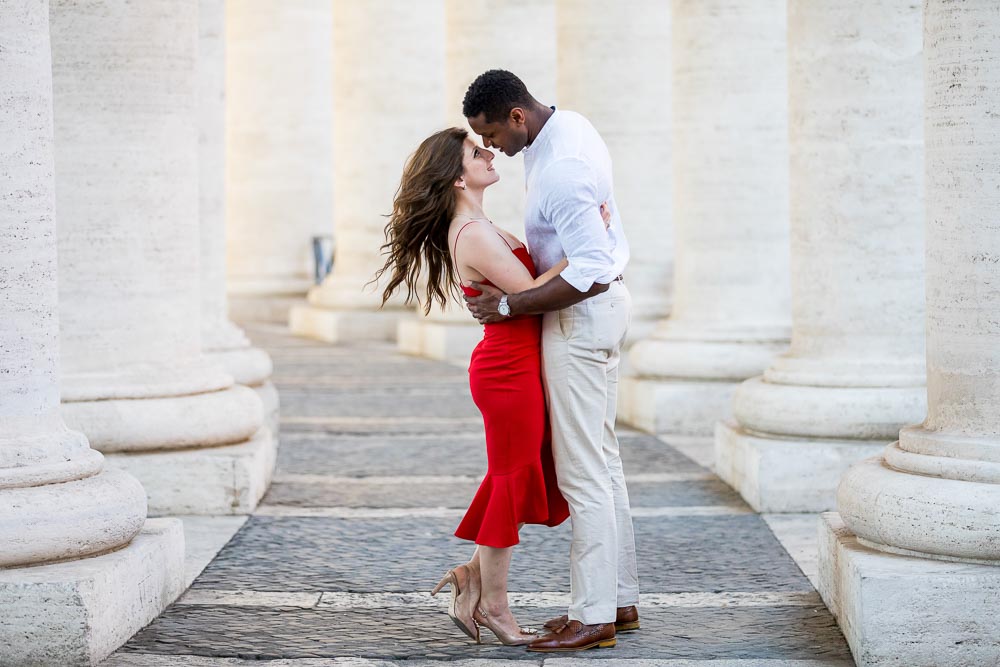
(503, 309)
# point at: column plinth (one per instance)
(917, 528)
(855, 371)
(134, 376)
(59, 507)
(730, 217)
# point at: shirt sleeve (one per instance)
(570, 203)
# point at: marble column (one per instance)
(730, 312)
(279, 157)
(222, 340)
(58, 502)
(614, 64)
(855, 371)
(388, 91)
(529, 51)
(910, 566)
(134, 379)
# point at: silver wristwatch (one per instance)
(503, 308)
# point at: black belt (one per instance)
(620, 278)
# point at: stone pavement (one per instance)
(379, 455)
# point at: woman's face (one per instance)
(477, 166)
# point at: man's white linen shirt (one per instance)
(567, 177)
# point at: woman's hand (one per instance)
(606, 214)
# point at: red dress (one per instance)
(506, 381)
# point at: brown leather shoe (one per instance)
(575, 636)
(626, 620)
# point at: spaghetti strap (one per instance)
(504, 239)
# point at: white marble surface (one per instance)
(279, 152)
(79, 611)
(204, 537)
(404, 47)
(905, 610)
(226, 342)
(799, 535)
(730, 312)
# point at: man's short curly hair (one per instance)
(494, 93)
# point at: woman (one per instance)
(438, 222)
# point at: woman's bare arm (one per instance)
(551, 273)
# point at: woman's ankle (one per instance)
(494, 608)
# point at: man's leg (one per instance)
(576, 379)
(628, 577)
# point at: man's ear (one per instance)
(517, 116)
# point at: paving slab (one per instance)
(380, 455)
(714, 553)
(404, 634)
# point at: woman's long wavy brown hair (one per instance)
(417, 231)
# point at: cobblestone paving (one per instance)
(380, 453)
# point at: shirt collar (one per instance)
(544, 133)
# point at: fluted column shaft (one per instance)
(936, 490)
(279, 158)
(855, 371)
(56, 499)
(222, 340)
(614, 64)
(910, 565)
(403, 47)
(134, 376)
(730, 216)
(451, 333)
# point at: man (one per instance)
(586, 317)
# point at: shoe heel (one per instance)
(627, 627)
(441, 584)
(607, 643)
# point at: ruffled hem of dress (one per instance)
(504, 501)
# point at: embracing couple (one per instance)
(555, 322)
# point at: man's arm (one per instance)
(571, 204)
(553, 295)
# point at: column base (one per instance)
(67, 520)
(78, 612)
(212, 480)
(271, 404)
(248, 365)
(673, 406)
(343, 326)
(785, 474)
(905, 611)
(438, 340)
(169, 422)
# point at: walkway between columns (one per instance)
(380, 453)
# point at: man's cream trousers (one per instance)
(581, 351)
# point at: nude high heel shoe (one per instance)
(524, 636)
(467, 625)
